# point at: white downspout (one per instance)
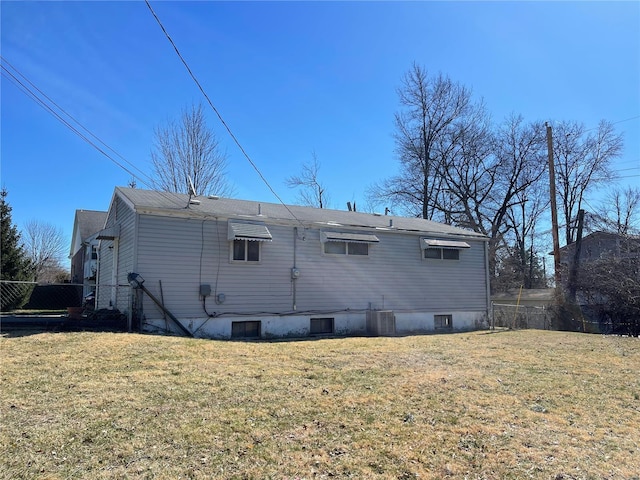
(488, 281)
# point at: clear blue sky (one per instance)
(291, 78)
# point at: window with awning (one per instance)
(435, 243)
(437, 249)
(347, 243)
(349, 237)
(246, 239)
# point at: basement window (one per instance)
(321, 326)
(250, 329)
(443, 322)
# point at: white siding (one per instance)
(393, 276)
(124, 247)
(185, 253)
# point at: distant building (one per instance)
(599, 245)
(84, 247)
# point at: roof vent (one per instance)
(194, 201)
(213, 197)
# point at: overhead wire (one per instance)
(40, 97)
(218, 114)
(613, 123)
(49, 99)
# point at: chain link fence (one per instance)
(16, 295)
(521, 316)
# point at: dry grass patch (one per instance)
(527, 404)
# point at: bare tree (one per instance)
(45, 245)
(430, 108)
(618, 213)
(189, 149)
(524, 144)
(582, 161)
(312, 191)
(491, 175)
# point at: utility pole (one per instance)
(554, 208)
(575, 265)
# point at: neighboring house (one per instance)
(84, 247)
(601, 244)
(232, 268)
(606, 282)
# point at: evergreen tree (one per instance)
(15, 263)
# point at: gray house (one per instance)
(222, 268)
(598, 245)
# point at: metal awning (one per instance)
(249, 231)
(110, 233)
(433, 243)
(348, 237)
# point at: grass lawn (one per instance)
(482, 405)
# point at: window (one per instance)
(344, 248)
(340, 243)
(245, 329)
(319, 326)
(246, 240)
(450, 254)
(442, 253)
(442, 249)
(336, 248)
(94, 252)
(246, 251)
(442, 322)
(358, 248)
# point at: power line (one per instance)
(39, 100)
(9, 75)
(613, 123)
(193, 77)
(626, 120)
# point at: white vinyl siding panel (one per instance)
(184, 253)
(119, 214)
(392, 276)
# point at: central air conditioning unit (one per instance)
(381, 322)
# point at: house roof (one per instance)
(90, 222)
(169, 204)
(608, 238)
(594, 236)
(86, 224)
